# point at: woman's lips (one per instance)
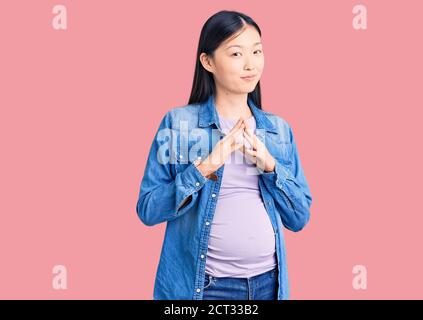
(248, 78)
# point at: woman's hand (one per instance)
(223, 149)
(259, 154)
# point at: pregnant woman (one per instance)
(225, 176)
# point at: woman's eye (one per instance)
(235, 54)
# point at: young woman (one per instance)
(225, 176)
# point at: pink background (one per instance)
(79, 109)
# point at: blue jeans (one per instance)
(260, 287)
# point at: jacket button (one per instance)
(207, 223)
(197, 184)
(198, 289)
(213, 195)
(202, 256)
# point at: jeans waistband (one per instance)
(274, 270)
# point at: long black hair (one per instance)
(216, 30)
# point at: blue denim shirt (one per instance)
(174, 191)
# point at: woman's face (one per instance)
(235, 58)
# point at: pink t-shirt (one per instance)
(242, 241)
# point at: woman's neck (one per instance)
(233, 106)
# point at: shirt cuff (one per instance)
(192, 178)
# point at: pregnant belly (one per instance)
(241, 233)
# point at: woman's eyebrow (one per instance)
(236, 45)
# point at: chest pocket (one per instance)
(195, 150)
(181, 162)
(282, 151)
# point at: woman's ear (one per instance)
(206, 62)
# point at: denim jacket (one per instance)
(174, 191)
